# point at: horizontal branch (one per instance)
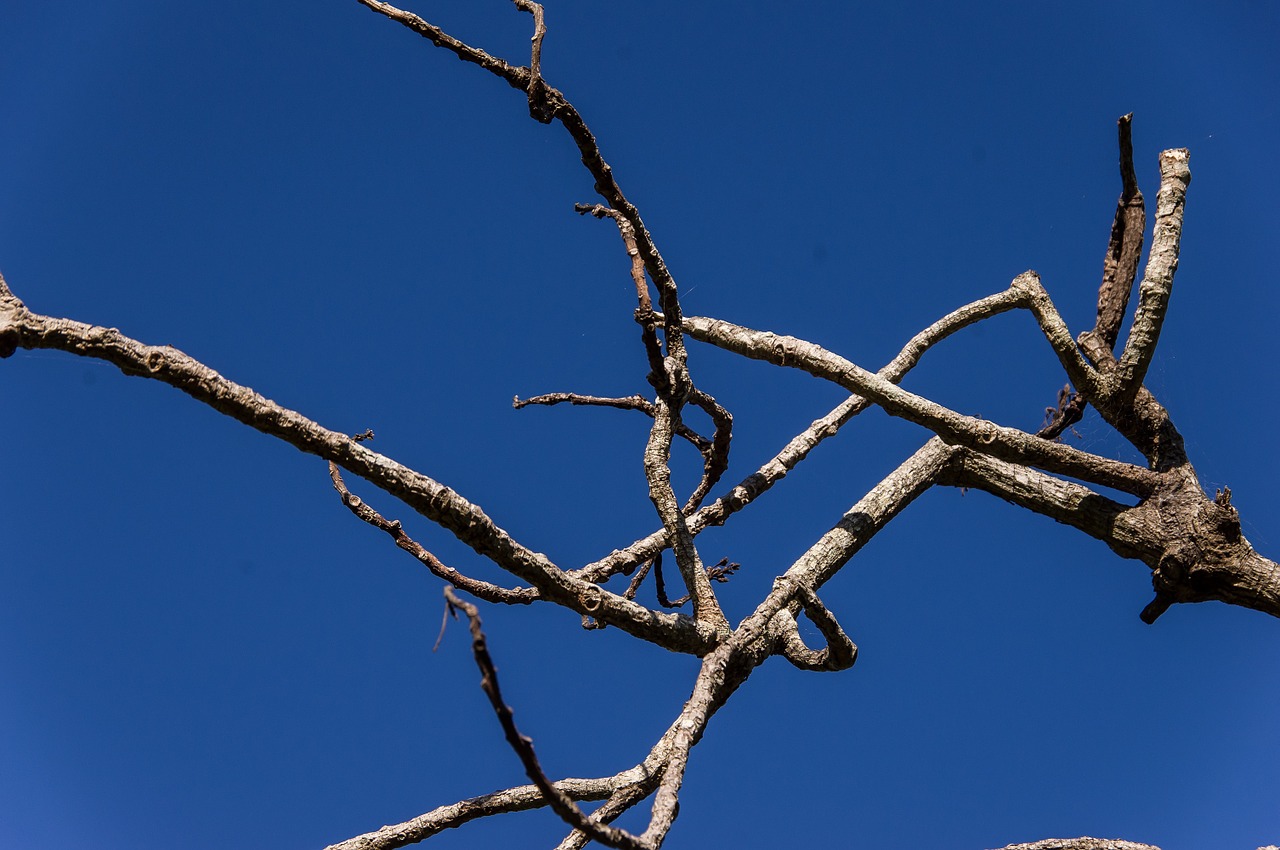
(520, 799)
(1081, 844)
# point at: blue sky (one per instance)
(198, 644)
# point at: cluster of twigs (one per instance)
(1192, 544)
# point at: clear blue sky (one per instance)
(200, 647)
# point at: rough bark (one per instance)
(1191, 542)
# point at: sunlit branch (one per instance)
(479, 589)
(560, 802)
(1007, 443)
(799, 447)
(20, 328)
(1157, 282)
(840, 653)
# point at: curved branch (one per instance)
(840, 652)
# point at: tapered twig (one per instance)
(559, 801)
(633, 402)
(716, 456)
(479, 589)
(1124, 248)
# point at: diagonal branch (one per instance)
(987, 437)
(479, 589)
(551, 104)
(20, 328)
(800, 446)
(560, 802)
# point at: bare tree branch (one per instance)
(840, 652)
(1157, 283)
(20, 328)
(1081, 844)
(1006, 443)
(1124, 249)
(479, 589)
(634, 402)
(559, 801)
(799, 447)
(1193, 545)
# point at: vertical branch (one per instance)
(1157, 283)
(1120, 266)
(657, 470)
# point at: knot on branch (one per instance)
(1205, 560)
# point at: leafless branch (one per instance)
(1157, 283)
(634, 402)
(1193, 545)
(559, 801)
(840, 652)
(799, 447)
(1007, 443)
(1124, 249)
(479, 589)
(1081, 844)
(20, 328)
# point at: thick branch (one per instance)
(1157, 283)
(1193, 545)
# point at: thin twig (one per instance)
(560, 802)
(480, 589)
